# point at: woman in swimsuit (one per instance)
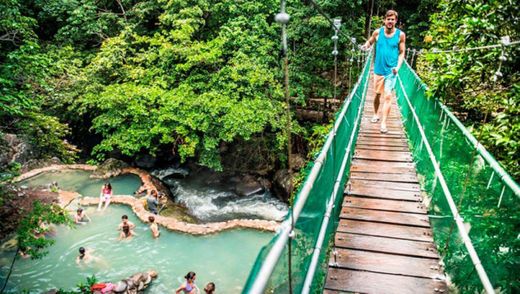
(189, 286)
(105, 195)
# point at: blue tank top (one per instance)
(387, 52)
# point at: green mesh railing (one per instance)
(306, 231)
(452, 164)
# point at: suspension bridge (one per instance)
(385, 213)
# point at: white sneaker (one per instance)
(374, 119)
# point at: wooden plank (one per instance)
(383, 155)
(352, 281)
(376, 192)
(398, 218)
(381, 142)
(385, 205)
(389, 170)
(367, 134)
(384, 164)
(386, 245)
(376, 147)
(387, 263)
(384, 140)
(353, 183)
(387, 177)
(385, 230)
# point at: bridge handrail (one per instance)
(317, 248)
(285, 231)
(458, 219)
(490, 159)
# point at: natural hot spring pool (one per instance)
(224, 258)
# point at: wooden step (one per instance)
(383, 155)
(353, 281)
(354, 183)
(396, 218)
(387, 177)
(385, 205)
(386, 245)
(385, 230)
(375, 192)
(386, 263)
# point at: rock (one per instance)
(14, 149)
(248, 186)
(282, 184)
(171, 172)
(110, 168)
(297, 161)
(265, 183)
(146, 161)
(39, 163)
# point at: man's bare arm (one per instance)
(371, 40)
(402, 49)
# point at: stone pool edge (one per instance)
(65, 197)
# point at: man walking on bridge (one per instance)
(390, 48)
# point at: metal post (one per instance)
(283, 18)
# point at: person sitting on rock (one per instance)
(105, 195)
(81, 218)
(152, 201)
(189, 286)
(154, 227)
(210, 288)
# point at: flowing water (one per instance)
(224, 258)
(218, 202)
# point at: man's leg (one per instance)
(379, 84)
(386, 110)
(389, 86)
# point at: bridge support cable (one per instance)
(456, 216)
(337, 186)
(490, 160)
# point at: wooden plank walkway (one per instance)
(383, 242)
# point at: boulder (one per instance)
(171, 172)
(13, 148)
(282, 184)
(110, 168)
(247, 186)
(146, 161)
(297, 161)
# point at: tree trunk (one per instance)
(368, 18)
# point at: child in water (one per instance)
(210, 288)
(84, 256)
(126, 227)
(81, 218)
(154, 227)
(189, 286)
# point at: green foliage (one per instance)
(33, 227)
(196, 83)
(466, 80)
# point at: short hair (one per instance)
(390, 13)
(151, 218)
(124, 216)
